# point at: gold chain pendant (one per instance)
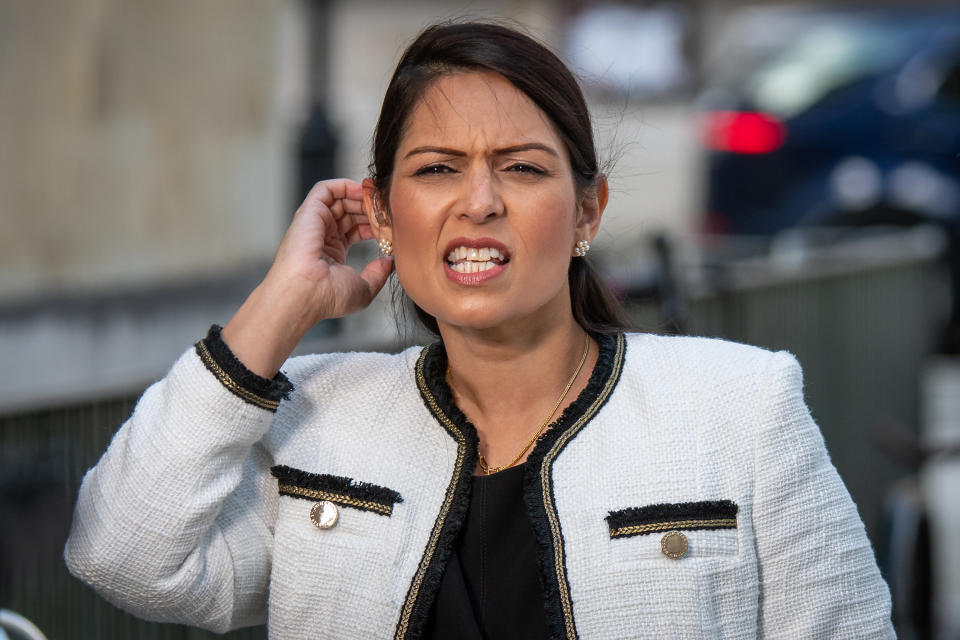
(491, 470)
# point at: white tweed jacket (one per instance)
(200, 510)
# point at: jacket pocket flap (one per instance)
(337, 489)
(687, 516)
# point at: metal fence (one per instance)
(861, 327)
(862, 320)
(44, 456)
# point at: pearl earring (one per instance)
(581, 249)
(386, 247)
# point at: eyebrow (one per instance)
(530, 146)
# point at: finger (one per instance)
(335, 216)
(326, 192)
(359, 233)
(348, 223)
(376, 273)
(349, 205)
(346, 207)
(353, 190)
(342, 188)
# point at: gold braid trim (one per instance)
(547, 492)
(230, 384)
(653, 527)
(403, 624)
(313, 494)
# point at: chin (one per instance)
(476, 322)
(501, 310)
(489, 319)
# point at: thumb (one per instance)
(376, 273)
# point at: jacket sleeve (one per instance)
(175, 522)
(818, 575)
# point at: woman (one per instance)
(683, 491)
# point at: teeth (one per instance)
(472, 254)
(468, 266)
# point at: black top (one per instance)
(491, 587)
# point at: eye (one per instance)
(433, 170)
(527, 169)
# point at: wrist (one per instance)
(288, 303)
(267, 327)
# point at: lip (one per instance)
(473, 279)
(480, 277)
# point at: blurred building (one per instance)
(152, 156)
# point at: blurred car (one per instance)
(833, 116)
(820, 116)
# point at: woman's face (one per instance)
(484, 213)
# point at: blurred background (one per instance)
(786, 175)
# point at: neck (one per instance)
(506, 382)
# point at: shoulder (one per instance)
(721, 395)
(344, 368)
(706, 354)
(702, 364)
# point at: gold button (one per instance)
(324, 514)
(673, 544)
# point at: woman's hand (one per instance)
(309, 280)
(313, 253)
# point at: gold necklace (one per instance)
(487, 469)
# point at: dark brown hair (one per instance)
(532, 68)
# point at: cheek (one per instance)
(410, 220)
(414, 240)
(553, 231)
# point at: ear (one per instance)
(591, 207)
(375, 211)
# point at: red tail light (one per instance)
(743, 132)
(714, 224)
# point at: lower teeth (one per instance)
(472, 267)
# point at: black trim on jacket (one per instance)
(236, 378)
(686, 516)
(538, 488)
(430, 374)
(343, 491)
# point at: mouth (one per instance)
(470, 259)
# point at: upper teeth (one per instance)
(473, 254)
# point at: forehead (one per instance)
(477, 107)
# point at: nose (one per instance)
(481, 198)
